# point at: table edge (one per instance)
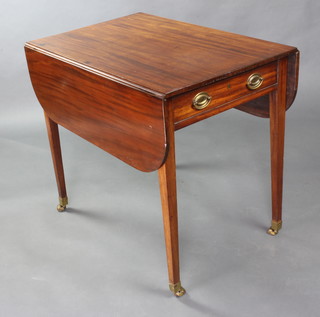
(152, 92)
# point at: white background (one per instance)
(106, 256)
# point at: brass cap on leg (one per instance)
(63, 202)
(275, 227)
(177, 289)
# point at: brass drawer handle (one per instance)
(254, 81)
(201, 100)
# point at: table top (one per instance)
(159, 56)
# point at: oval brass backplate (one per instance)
(254, 81)
(201, 100)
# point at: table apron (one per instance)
(232, 104)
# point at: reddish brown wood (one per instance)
(122, 121)
(107, 82)
(277, 129)
(225, 94)
(167, 181)
(260, 107)
(125, 85)
(292, 78)
(160, 56)
(214, 111)
(54, 141)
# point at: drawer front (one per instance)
(223, 92)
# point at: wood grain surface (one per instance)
(168, 192)
(125, 85)
(122, 121)
(159, 56)
(260, 106)
(54, 142)
(109, 82)
(277, 131)
(225, 94)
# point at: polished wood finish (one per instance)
(54, 141)
(93, 79)
(260, 106)
(168, 191)
(126, 85)
(160, 56)
(225, 94)
(277, 129)
(97, 109)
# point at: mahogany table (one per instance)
(127, 84)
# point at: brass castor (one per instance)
(275, 227)
(177, 289)
(61, 208)
(63, 202)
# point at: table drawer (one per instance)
(223, 92)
